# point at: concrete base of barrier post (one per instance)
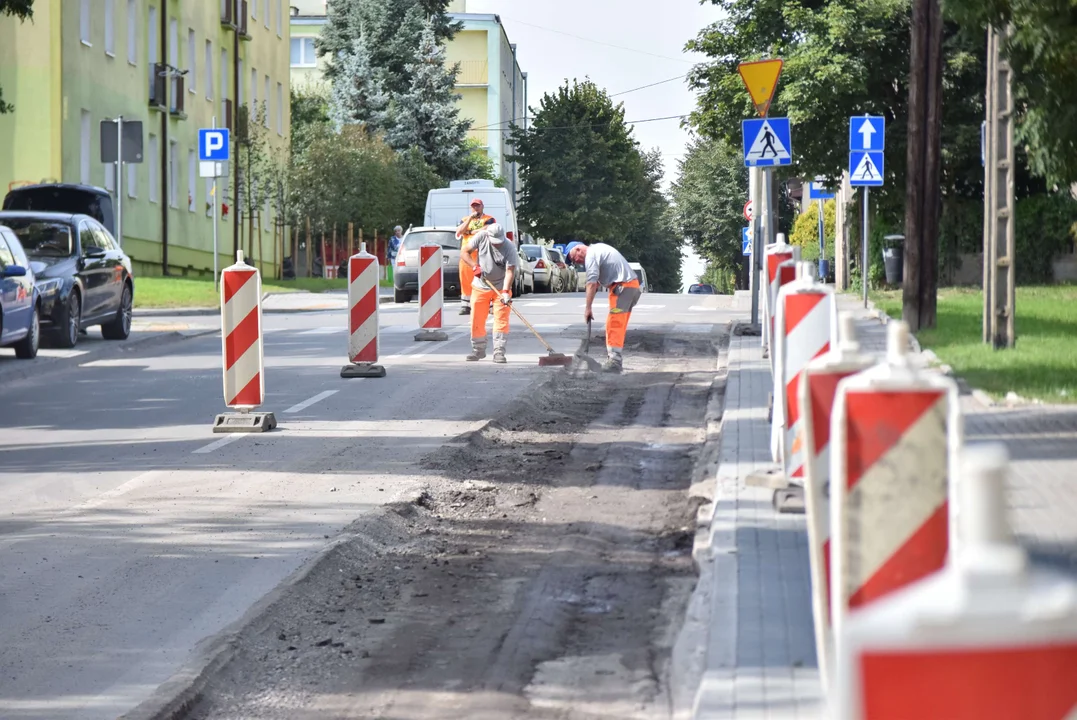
(245, 422)
(790, 500)
(432, 336)
(362, 370)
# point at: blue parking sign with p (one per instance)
(213, 144)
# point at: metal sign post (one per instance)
(864, 251)
(119, 180)
(213, 153)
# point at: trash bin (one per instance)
(894, 258)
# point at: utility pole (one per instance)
(923, 201)
(755, 279)
(999, 265)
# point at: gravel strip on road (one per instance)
(544, 572)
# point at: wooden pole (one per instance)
(351, 239)
(323, 253)
(335, 261)
(310, 249)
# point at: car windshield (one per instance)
(446, 239)
(639, 275)
(41, 238)
(531, 252)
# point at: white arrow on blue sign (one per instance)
(213, 144)
(745, 242)
(867, 133)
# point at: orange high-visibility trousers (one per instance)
(620, 313)
(481, 297)
(467, 275)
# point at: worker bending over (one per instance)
(493, 259)
(470, 225)
(607, 268)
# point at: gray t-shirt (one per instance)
(494, 257)
(606, 266)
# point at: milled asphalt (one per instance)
(130, 532)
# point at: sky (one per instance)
(620, 45)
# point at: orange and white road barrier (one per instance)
(241, 341)
(815, 399)
(363, 303)
(895, 433)
(431, 293)
(988, 638)
(806, 320)
(775, 254)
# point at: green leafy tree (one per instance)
(651, 238)
(581, 169)
(309, 111)
(416, 178)
(806, 230)
(22, 9)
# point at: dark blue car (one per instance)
(19, 304)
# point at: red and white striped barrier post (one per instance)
(988, 638)
(815, 394)
(363, 303)
(895, 434)
(806, 320)
(775, 254)
(242, 350)
(431, 294)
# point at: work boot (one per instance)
(500, 341)
(478, 351)
(614, 362)
(465, 309)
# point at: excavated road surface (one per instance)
(543, 573)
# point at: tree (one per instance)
(580, 166)
(309, 111)
(427, 116)
(358, 95)
(650, 238)
(252, 186)
(806, 231)
(22, 9)
(391, 30)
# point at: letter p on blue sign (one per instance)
(213, 144)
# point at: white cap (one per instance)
(897, 342)
(847, 333)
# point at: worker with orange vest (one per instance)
(608, 269)
(470, 225)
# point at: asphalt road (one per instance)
(130, 532)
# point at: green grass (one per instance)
(1043, 364)
(171, 292)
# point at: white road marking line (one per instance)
(540, 303)
(217, 444)
(307, 403)
(700, 308)
(324, 330)
(648, 307)
(696, 329)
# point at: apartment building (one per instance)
(491, 85)
(173, 66)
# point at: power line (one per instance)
(644, 87)
(598, 125)
(598, 42)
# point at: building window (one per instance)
(192, 60)
(173, 60)
(110, 177)
(132, 31)
(84, 22)
(151, 45)
(209, 70)
(239, 90)
(254, 92)
(303, 52)
(208, 182)
(265, 14)
(280, 109)
(280, 18)
(224, 78)
(254, 9)
(110, 28)
(153, 158)
(85, 139)
(132, 180)
(173, 174)
(192, 173)
(265, 118)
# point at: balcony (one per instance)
(158, 85)
(228, 14)
(178, 98)
(228, 115)
(473, 73)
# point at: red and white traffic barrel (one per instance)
(242, 350)
(775, 254)
(431, 293)
(895, 433)
(990, 637)
(363, 304)
(805, 321)
(815, 402)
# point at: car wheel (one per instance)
(401, 296)
(119, 328)
(26, 349)
(67, 330)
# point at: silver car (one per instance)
(406, 270)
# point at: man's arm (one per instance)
(592, 290)
(462, 230)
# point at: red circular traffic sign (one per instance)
(749, 211)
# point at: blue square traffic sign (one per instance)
(766, 142)
(818, 191)
(745, 242)
(213, 144)
(867, 133)
(865, 169)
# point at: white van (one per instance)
(446, 207)
(641, 275)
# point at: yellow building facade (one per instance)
(173, 66)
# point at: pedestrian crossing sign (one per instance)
(865, 169)
(767, 142)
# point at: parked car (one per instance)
(547, 276)
(82, 276)
(702, 289)
(19, 321)
(64, 198)
(406, 271)
(566, 274)
(641, 275)
(581, 276)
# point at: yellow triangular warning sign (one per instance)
(761, 79)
